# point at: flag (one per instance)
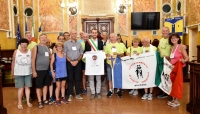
(18, 35)
(111, 60)
(138, 71)
(177, 80)
(26, 27)
(159, 69)
(33, 33)
(117, 72)
(40, 30)
(165, 83)
(92, 44)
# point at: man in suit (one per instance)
(94, 44)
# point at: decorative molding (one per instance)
(5, 24)
(122, 26)
(53, 22)
(73, 19)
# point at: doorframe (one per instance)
(109, 19)
(192, 41)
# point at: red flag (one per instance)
(177, 80)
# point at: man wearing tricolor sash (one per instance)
(94, 44)
(112, 50)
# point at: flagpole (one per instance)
(113, 79)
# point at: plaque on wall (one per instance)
(28, 11)
(166, 8)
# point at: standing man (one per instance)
(66, 36)
(40, 67)
(31, 44)
(147, 47)
(98, 45)
(105, 39)
(165, 49)
(74, 54)
(81, 37)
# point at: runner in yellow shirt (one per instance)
(134, 50)
(113, 48)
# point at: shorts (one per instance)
(82, 65)
(43, 79)
(61, 79)
(21, 81)
(109, 72)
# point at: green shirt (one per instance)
(148, 48)
(30, 45)
(132, 50)
(164, 47)
(123, 46)
(108, 49)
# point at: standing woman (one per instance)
(178, 53)
(134, 50)
(22, 72)
(59, 60)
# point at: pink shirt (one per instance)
(177, 56)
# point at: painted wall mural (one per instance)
(144, 5)
(93, 7)
(192, 13)
(50, 14)
(73, 23)
(122, 24)
(4, 21)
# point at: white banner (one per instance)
(166, 84)
(139, 71)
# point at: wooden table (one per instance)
(2, 109)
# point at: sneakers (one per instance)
(84, 91)
(175, 104)
(79, 97)
(70, 98)
(57, 103)
(98, 96)
(131, 92)
(135, 92)
(150, 96)
(145, 96)
(92, 96)
(163, 95)
(64, 101)
(119, 94)
(51, 100)
(109, 94)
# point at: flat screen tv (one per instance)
(145, 20)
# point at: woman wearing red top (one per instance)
(178, 53)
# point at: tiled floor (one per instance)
(128, 104)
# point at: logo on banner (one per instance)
(94, 58)
(141, 74)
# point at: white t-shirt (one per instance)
(22, 64)
(94, 64)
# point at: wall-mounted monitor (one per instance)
(145, 20)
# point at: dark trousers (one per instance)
(74, 71)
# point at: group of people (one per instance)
(63, 64)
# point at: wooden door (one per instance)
(102, 25)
